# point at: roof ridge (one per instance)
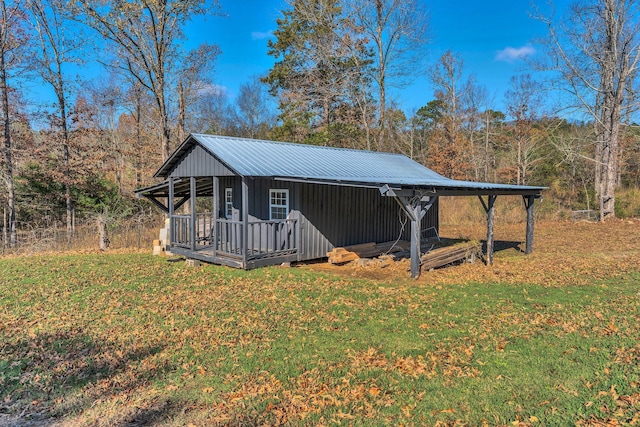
(298, 144)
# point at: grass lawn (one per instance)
(130, 339)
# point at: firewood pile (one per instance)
(366, 250)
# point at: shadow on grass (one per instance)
(503, 245)
(61, 374)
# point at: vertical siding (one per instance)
(333, 216)
(199, 162)
(329, 216)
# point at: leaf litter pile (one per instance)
(128, 339)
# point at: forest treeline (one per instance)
(77, 155)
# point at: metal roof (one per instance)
(260, 158)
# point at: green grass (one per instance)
(122, 338)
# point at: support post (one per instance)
(415, 205)
(171, 212)
(216, 212)
(415, 242)
(192, 231)
(245, 221)
(489, 208)
(528, 203)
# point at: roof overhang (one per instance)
(204, 188)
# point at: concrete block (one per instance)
(193, 263)
(158, 250)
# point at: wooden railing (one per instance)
(271, 238)
(226, 237)
(181, 231)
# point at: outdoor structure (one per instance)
(253, 203)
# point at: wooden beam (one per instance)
(182, 201)
(415, 206)
(192, 231)
(489, 208)
(528, 203)
(158, 203)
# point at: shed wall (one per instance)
(334, 216)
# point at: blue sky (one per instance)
(489, 35)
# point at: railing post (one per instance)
(192, 193)
(171, 212)
(216, 200)
(245, 221)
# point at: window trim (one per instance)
(228, 202)
(285, 192)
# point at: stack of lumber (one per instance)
(450, 254)
(365, 250)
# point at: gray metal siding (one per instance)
(199, 162)
(235, 183)
(333, 216)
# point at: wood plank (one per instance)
(447, 255)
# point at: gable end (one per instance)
(197, 161)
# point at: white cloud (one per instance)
(512, 54)
(258, 35)
(204, 89)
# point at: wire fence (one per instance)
(137, 232)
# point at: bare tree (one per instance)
(194, 80)
(450, 151)
(12, 41)
(254, 109)
(595, 52)
(397, 31)
(145, 34)
(524, 101)
(57, 49)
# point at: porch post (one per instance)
(216, 211)
(528, 204)
(171, 212)
(194, 225)
(415, 206)
(490, 210)
(415, 241)
(245, 221)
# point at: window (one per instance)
(278, 203)
(228, 203)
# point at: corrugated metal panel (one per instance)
(250, 157)
(224, 156)
(196, 161)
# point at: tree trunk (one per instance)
(612, 91)
(138, 148)
(381, 75)
(181, 113)
(66, 152)
(103, 238)
(13, 237)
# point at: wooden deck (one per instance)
(232, 243)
